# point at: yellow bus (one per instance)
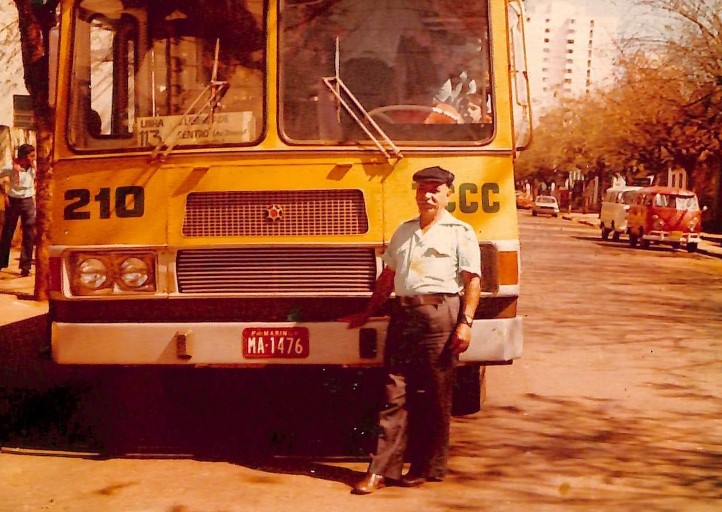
(228, 172)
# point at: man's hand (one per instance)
(356, 319)
(460, 339)
(383, 288)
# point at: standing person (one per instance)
(429, 261)
(21, 204)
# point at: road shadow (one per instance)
(588, 453)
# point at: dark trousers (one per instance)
(23, 209)
(420, 372)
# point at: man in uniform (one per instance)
(429, 261)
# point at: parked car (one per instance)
(523, 200)
(545, 205)
(665, 215)
(613, 215)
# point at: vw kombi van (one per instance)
(613, 215)
(665, 215)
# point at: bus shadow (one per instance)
(244, 416)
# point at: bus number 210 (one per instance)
(128, 202)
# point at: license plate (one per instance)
(275, 342)
(675, 235)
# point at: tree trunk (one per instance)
(716, 224)
(35, 22)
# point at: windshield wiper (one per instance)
(216, 88)
(338, 89)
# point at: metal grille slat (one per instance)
(276, 270)
(304, 213)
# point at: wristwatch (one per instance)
(466, 320)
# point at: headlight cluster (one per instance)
(107, 273)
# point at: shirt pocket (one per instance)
(440, 261)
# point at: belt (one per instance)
(424, 300)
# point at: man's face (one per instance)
(432, 196)
(28, 159)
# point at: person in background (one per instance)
(430, 260)
(21, 204)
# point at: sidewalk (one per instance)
(711, 245)
(16, 294)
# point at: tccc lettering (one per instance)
(470, 195)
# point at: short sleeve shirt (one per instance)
(22, 183)
(432, 262)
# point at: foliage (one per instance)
(664, 112)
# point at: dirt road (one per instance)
(614, 407)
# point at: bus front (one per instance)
(227, 173)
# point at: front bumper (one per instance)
(672, 237)
(221, 343)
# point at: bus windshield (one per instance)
(153, 73)
(420, 68)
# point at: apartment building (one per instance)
(571, 48)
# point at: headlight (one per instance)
(110, 273)
(92, 273)
(658, 223)
(134, 272)
(693, 224)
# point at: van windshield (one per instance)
(677, 202)
(628, 197)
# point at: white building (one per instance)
(570, 47)
(11, 76)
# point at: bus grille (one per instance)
(277, 270)
(275, 213)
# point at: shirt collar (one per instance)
(446, 218)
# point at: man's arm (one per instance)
(472, 291)
(382, 290)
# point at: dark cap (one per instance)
(25, 149)
(435, 173)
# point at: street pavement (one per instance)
(16, 293)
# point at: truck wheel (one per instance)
(615, 236)
(469, 389)
(632, 239)
(644, 244)
(691, 247)
(533, 213)
(605, 233)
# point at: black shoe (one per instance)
(24, 273)
(410, 480)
